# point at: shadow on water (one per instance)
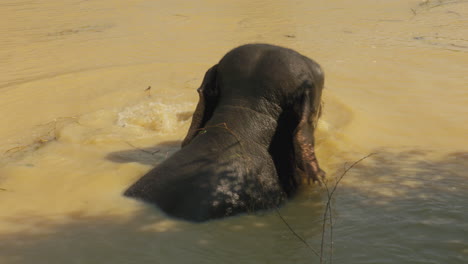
(79, 239)
(398, 206)
(404, 207)
(395, 207)
(149, 237)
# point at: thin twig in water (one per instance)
(330, 218)
(15, 149)
(142, 150)
(296, 234)
(328, 206)
(51, 135)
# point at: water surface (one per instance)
(79, 126)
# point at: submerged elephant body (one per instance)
(251, 138)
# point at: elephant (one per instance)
(250, 144)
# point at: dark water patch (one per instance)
(428, 5)
(149, 237)
(453, 44)
(82, 29)
(78, 238)
(404, 207)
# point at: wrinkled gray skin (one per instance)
(251, 138)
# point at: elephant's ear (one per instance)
(303, 137)
(208, 93)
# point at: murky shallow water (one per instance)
(78, 127)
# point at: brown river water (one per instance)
(78, 127)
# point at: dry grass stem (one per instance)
(328, 210)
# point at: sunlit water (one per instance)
(78, 126)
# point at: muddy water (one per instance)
(78, 126)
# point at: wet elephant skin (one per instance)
(250, 144)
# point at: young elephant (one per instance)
(251, 139)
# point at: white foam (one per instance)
(159, 117)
